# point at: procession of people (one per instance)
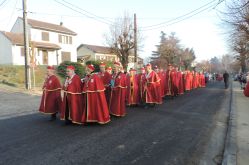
(97, 96)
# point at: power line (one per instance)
(184, 15)
(87, 11)
(3, 2)
(12, 13)
(80, 12)
(180, 19)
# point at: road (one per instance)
(176, 132)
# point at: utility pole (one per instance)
(26, 46)
(135, 40)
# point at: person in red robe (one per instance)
(106, 79)
(202, 80)
(72, 106)
(178, 82)
(95, 105)
(246, 90)
(152, 87)
(157, 70)
(118, 92)
(51, 96)
(141, 83)
(162, 82)
(169, 80)
(132, 88)
(191, 77)
(195, 80)
(109, 70)
(187, 80)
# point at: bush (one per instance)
(79, 69)
(96, 64)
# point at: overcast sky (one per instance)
(201, 30)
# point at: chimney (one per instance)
(61, 23)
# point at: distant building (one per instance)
(50, 44)
(101, 53)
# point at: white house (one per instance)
(101, 53)
(50, 44)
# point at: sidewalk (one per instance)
(242, 123)
(237, 141)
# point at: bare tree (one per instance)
(237, 17)
(121, 38)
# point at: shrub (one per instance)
(96, 64)
(79, 69)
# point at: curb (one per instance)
(230, 150)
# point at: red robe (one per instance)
(152, 88)
(141, 84)
(118, 94)
(168, 83)
(188, 81)
(73, 100)
(162, 76)
(132, 90)
(246, 91)
(179, 82)
(51, 97)
(195, 81)
(202, 80)
(191, 77)
(96, 108)
(106, 78)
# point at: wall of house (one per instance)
(5, 50)
(18, 26)
(52, 57)
(18, 59)
(54, 38)
(83, 51)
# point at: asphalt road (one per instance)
(176, 132)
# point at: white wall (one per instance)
(5, 50)
(17, 58)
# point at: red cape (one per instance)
(141, 84)
(74, 99)
(118, 95)
(246, 91)
(179, 83)
(153, 88)
(162, 76)
(96, 108)
(51, 97)
(106, 79)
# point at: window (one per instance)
(65, 39)
(65, 56)
(45, 57)
(22, 51)
(45, 36)
(110, 58)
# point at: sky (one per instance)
(201, 30)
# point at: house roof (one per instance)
(17, 39)
(98, 49)
(14, 38)
(46, 45)
(49, 26)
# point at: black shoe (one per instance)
(53, 117)
(68, 122)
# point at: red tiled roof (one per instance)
(17, 39)
(98, 49)
(49, 26)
